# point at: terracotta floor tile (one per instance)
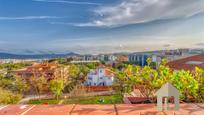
(93, 110)
(14, 109)
(50, 110)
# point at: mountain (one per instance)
(34, 56)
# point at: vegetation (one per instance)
(7, 97)
(38, 83)
(56, 87)
(11, 89)
(185, 82)
(123, 82)
(127, 75)
(199, 76)
(109, 99)
(190, 84)
(12, 66)
(44, 101)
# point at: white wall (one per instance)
(99, 78)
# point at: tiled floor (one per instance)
(94, 110)
(121, 109)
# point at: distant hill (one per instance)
(34, 56)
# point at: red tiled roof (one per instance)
(43, 65)
(184, 64)
(38, 68)
(108, 73)
(101, 66)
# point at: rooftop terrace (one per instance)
(119, 109)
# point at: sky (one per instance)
(100, 26)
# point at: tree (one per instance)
(185, 82)
(147, 79)
(5, 83)
(190, 84)
(56, 86)
(39, 84)
(20, 86)
(74, 72)
(164, 74)
(122, 84)
(199, 76)
(124, 81)
(14, 84)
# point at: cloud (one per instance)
(28, 17)
(68, 2)
(166, 45)
(72, 24)
(141, 11)
(200, 44)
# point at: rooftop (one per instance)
(188, 63)
(120, 109)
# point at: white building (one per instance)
(102, 76)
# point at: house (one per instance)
(47, 70)
(167, 91)
(102, 76)
(187, 63)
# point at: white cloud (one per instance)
(200, 44)
(68, 2)
(140, 11)
(28, 17)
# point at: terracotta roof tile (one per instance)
(188, 63)
(108, 73)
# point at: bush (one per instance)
(7, 97)
(185, 82)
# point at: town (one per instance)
(102, 79)
(101, 57)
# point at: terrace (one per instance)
(111, 109)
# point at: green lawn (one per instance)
(44, 101)
(95, 100)
(111, 99)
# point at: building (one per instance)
(107, 57)
(82, 62)
(187, 63)
(122, 58)
(47, 70)
(20, 60)
(141, 58)
(102, 76)
(89, 57)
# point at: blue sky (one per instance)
(100, 26)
